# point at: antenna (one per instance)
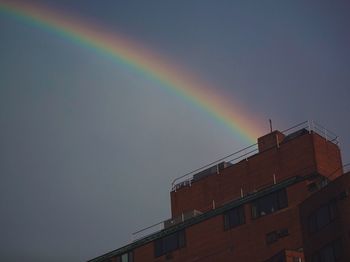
(270, 121)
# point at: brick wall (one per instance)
(339, 228)
(300, 156)
(208, 241)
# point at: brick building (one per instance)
(284, 199)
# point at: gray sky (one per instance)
(88, 148)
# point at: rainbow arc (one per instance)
(135, 57)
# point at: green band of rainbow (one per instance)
(129, 54)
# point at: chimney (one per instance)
(270, 140)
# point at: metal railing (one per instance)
(311, 125)
(245, 153)
(147, 231)
(235, 157)
(164, 225)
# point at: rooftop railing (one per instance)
(311, 125)
(233, 158)
(243, 154)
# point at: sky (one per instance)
(89, 146)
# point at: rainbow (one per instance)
(145, 62)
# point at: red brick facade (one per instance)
(301, 156)
(259, 209)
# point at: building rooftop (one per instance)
(272, 140)
(245, 153)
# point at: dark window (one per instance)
(322, 217)
(329, 253)
(169, 243)
(344, 194)
(234, 217)
(271, 237)
(275, 235)
(283, 232)
(319, 183)
(269, 204)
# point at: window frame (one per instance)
(130, 257)
(336, 248)
(274, 236)
(229, 218)
(313, 220)
(164, 245)
(277, 200)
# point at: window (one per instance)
(271, 237)
(329, 253)
(319, 182)
(169, 243)
(322, 216)
(275, 235)
(234, 217)
(269, 204)
(126, 257)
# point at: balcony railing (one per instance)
(164, 225)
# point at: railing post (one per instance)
(311, 125)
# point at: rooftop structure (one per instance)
(282, 199)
